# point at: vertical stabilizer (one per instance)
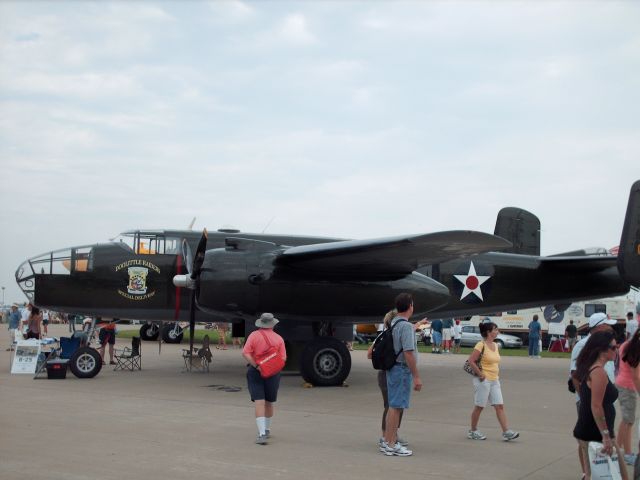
(521, 228)
(629, 253)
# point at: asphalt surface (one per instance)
(163, 423)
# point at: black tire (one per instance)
(85, 362)
(325, 362)
(149, 331)
(169, 336)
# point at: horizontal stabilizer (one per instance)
(579, 264)
(389, 256)
(629, 252)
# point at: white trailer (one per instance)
(516, 322)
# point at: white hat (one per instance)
(266, 320)
(599, 319)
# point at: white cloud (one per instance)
(294, 30)
(231, 11)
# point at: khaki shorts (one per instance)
(446, 334)
(627, 399)
(488, 391)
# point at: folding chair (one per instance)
(129, 358)
(198, 359)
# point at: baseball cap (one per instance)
(600, 319)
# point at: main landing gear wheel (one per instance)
(169, 334)
(325, 362)
(85, 362)
(149, 331)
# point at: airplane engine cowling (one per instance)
(225, 284)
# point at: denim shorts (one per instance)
(437, 338)
(399, 383)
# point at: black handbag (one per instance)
(467, 364)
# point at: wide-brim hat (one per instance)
(267, 320)
(600, 319)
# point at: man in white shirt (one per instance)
(632, 325)
(24, 321)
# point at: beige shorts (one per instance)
(446, 334)
(627, 399)
(487, 391)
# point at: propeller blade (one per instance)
(187, 256)
(192, 322)
(199, 257)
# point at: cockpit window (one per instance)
(149, 243)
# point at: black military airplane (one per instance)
(320, 287)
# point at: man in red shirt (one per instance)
(263, 391)
(107, 335)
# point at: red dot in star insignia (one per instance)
(472, 282)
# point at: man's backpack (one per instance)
(383, 355)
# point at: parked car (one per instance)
(471, 336)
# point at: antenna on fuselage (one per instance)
(190, 227)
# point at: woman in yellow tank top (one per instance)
(487, 383)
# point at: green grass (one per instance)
(464, 351)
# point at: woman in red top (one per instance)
(34, 322)
(628, 383)
(263, 391)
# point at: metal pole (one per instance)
(3, 296)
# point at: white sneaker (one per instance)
(398, 451)
(509, 435)
(382, 445)
(476, 435)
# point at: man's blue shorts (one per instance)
(399, 383)
(437, 338)
(262, 388)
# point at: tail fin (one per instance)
(521, 228)
(629, 253)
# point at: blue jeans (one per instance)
(437, 338)
(534, 344)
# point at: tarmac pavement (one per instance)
(163, 423)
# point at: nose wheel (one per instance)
(172, 333)
(149, 331)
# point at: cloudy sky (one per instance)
(355, 120)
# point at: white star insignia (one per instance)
(472, 282)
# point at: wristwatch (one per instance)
(604, 432)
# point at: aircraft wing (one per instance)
(388, 256)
